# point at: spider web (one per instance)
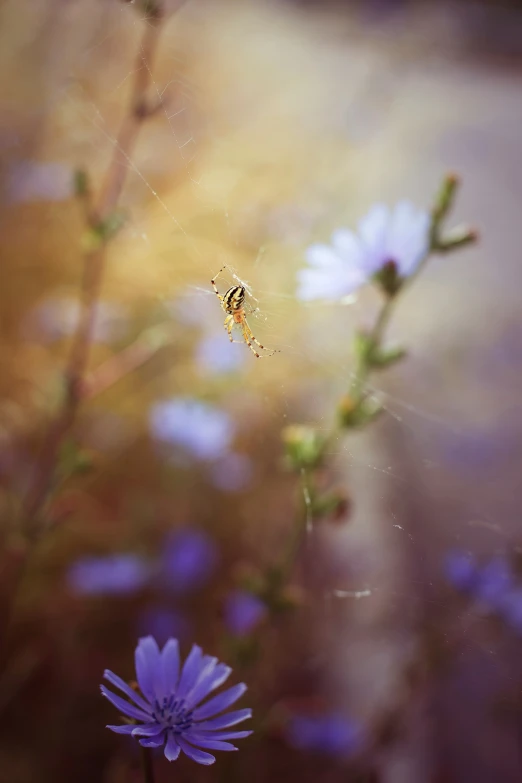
(414, 427)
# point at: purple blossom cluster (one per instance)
(494, 586)
(188, 559)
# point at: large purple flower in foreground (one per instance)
(170, 709)
(399, 237)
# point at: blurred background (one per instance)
(391, 662)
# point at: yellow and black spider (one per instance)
(233, 304)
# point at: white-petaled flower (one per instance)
(397, 238)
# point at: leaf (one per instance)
(381, 358)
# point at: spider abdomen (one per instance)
(234, 298)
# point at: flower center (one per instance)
(172, 714)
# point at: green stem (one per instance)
(302, 525)
(148, 767)
(363, 370)
(364, 366)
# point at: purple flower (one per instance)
(243, 611)
(233, 473)
(494, 581)
(162, 623)
(57, 317)
(511, 609)
(31, 180)
(202, 431)
(112, 575)
(169, 707)
(188, 560)
(399, 236)
(460, 569)
(331, 734)
(215, 355)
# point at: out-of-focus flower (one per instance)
(113, 575)
(395, 239)
(330, 734)
(511, 609)
(243, 612)
(481, 452)
(460, 569)
(216, 355)
(492, 586)
(188, 560)
(162, 623)
(30, 180)
(56, 318)
(169, 706)
(194, 309)
(202, 431)
(495, 579)
(233, 473)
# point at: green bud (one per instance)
(304, 446)
(360, 413)
(371, 355)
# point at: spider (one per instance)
(233, 304)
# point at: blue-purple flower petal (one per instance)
(148, 667)
(219, 702)
(191, 670)
(223, 735)
(208, 682)
(153, 742)
(210, 744)
(147, 730)
(127, 728)
(127, 690)
(172, 748)
(195, 754)
(230, 719)
(170, 663)
(123, 706)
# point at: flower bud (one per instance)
(304, 446)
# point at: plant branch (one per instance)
(97, 218)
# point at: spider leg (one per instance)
(229, 323)
(249, 339)
(213, 283)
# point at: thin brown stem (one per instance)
(94, 265)
(123, 363)
(147, 765)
